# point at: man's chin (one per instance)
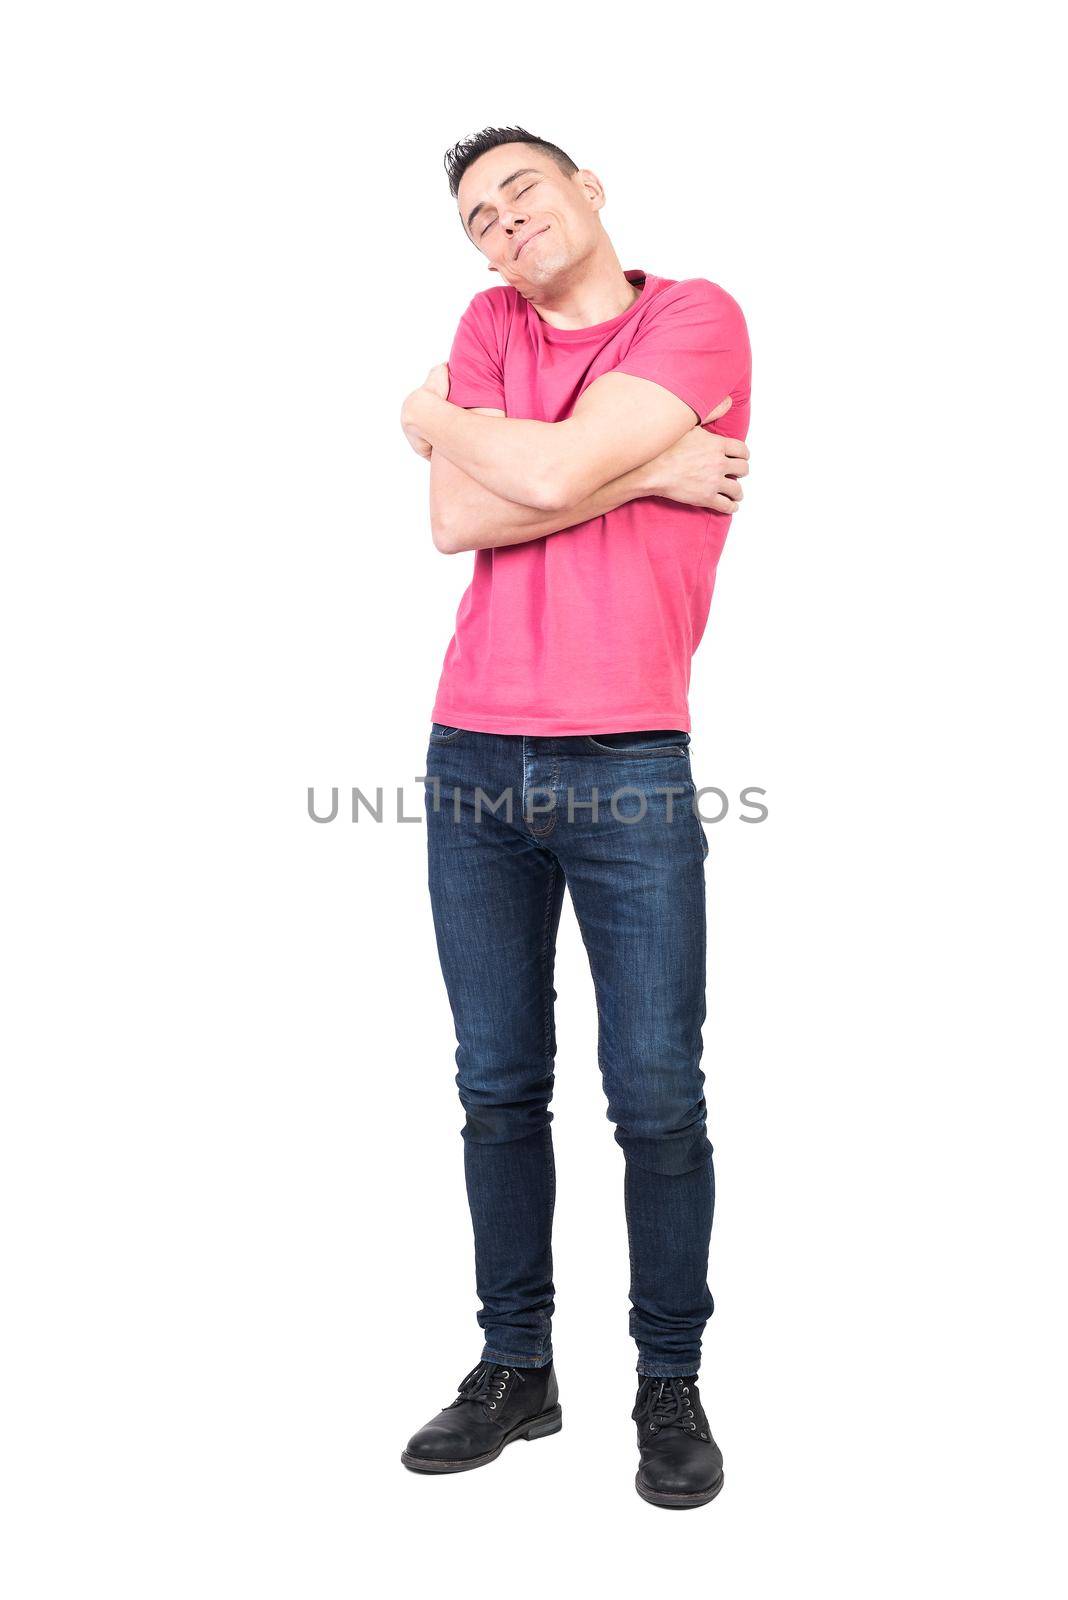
(541, 275)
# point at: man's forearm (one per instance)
(465, 515)
(518, 464)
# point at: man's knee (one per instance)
(503, 1107)
(664, 1143)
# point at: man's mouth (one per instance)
(527, 240)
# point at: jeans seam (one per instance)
(630, 1246)
(515, 1361)
(546, 985)
(546, 981)
(543, 833)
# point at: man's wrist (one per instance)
(420, 406)
(645, 479)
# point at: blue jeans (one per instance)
(635, 871)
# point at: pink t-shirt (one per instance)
(592, 629)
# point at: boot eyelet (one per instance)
(493, 1405)
(693, 1425)
(504, 1374)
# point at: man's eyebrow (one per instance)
(512, 176)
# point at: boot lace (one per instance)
(665, 1403)
(484, 1385)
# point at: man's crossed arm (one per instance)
(697, 470)
(626, 438)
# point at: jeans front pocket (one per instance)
(641, 742)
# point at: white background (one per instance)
(236, 1256)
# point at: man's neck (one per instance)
(601, 291)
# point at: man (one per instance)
(569, 446)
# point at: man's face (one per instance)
(529, 220)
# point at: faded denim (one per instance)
(638, 890)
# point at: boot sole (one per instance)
(680, 1502)
(534, 1428)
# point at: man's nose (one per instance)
(511, 220)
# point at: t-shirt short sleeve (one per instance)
(695, 343)
(476, 376)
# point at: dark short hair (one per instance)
(460, 157)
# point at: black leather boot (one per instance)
(681, 1463)
(494, 1405)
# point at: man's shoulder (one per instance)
(488, 317)
(702, 292)
(495, 302)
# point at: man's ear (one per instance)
(591, 186)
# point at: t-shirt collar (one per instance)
(597, 330)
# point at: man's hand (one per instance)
(701, 469)
(437, 382)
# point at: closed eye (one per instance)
(519, 196)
